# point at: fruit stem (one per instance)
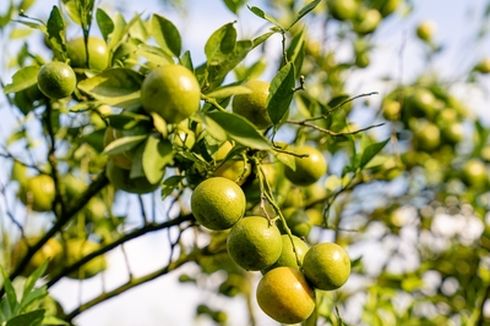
(265, 191)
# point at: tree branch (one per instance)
(92, 190)
(151, 227)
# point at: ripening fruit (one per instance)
(343, 9)
(120, 178)
(391, 109)
(236, 170)
(483, 66)
(56, 80)
(427, 135)
(254, 243)
(253, 105)
(172, 91)
(98, 53)
(326, 266)
(288, 254)
(475, 173)
(367, 21)
(309, 169)
(76, 249)
(38, 193)
(218, 203)
(425, 31)
(284, 295)
(389, 6)
(50, 251)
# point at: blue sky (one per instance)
(165, 300)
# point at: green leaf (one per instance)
(166, 34)
(31, 281)
(261, 14)
(296, 52)
(337, 100)
(32, 318)
(228, 91)
(22, 79)
(52, 320)
(286, 159)
(120, 29)
(31, 297)
(237, 128)
(123, 144)
(56, 32)
(7, 17)
(186, 60)
(216, 72)
(85, 10)
(371, 151)
(105, 23)
(71, 8)
(11, 297)
(304, 11)
(262, 38)
(234, 5)
(117, 87)
(156, 156)
(170, 184)
(281, 93)
(220, 44)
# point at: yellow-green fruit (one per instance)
(289, 257)
(326, 266)
(483, 66)
(96, 208)
(427, 136)
(19, 173)
(315, 216)
(423, 102)
(389, 6)
(253, 105)
(297, 221)
(72, 187)
(38, 193)
(285, 296)
(76, 249)
(122, 160)
(56, 80)
(475, 173)
(218, 203)
(343, 9)
(309, 168)
(50, 252)
(425, 31)
(367, 21)
(236, 170)
(98, 53)
(172, 91)
(254, 243)
(120, 178)
(391, 109)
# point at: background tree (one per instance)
(118, 125)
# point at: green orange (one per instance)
(218, 203)
(326, 266)
(56, 80)
(254, 243)
(253, 105)
(310, 167)
(98, 53)
(172, 91)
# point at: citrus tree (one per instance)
(252, 162)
